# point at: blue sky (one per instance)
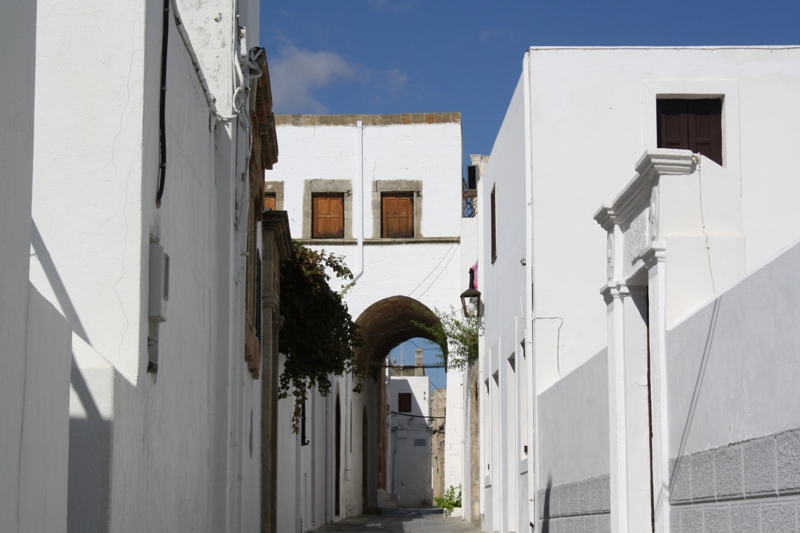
(410, 56)
(407, 56)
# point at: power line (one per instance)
(431, 272)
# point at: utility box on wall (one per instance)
(159, 284)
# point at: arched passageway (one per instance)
(384, 325)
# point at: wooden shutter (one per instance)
(398, 216)
(694, 125)
(269, 201)
(328, 216)
(404, 402)
(494, 226)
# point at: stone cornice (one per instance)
(615, 290)
(606, 217)
(278, 222)
(656, 253)
(381, 241)
(651, 166)
(368, 120)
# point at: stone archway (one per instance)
(387, 323)
(384, 325)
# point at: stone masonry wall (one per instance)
(580, 506)
(751, 486)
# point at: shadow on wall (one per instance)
(43, 255)
(546, 506)
(89, 470)
(697, 387)
(88, 507)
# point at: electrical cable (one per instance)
(440, 273)
(162, 122)
(432, 271)
(415, 416)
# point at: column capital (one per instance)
(656, 254)
(615, 290)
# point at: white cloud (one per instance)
(296, 73)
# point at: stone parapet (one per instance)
(368, 120)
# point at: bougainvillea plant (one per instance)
(318, 335)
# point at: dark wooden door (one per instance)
(694, 125)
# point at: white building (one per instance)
(384, 192)
(686, 229)
(34, 337)
(134, 214)
(409, 475)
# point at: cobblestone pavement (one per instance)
(419, 520)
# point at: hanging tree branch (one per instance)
(318, 335)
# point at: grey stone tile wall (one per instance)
(580, 507)
(746, 487)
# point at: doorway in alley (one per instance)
(396, 430)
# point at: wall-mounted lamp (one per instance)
(471, 299)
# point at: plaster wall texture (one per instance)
(575, 447)
(412, 461)
(456, 455)
(326, 148)
(44, 438)
(427, 152)
(17, 55)
(732, 366)
(602, 102)
(502, 284)
(172, 453)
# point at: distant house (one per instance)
(689, 155)
(409, 440)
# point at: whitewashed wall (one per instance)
(34, 337)
(732, 364)
(427, 269)
(595, 109)
(17, 54)
(172, 453)
(504, 472)
(590, 114)
(410, 463)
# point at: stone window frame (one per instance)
(275, 187)
(327, 186)
(395, 186)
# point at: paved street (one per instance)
(428, 519)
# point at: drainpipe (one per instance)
(533, 453)
(348, 393)
(360, 183)
(357, 274)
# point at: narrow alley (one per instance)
(424, 519)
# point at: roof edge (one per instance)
(368, 120)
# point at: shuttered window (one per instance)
(327, 214)
(269, 201)
(404, 402)
(694, 125)
(397, 211)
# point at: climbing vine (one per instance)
(318, 335)
(459, 334)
